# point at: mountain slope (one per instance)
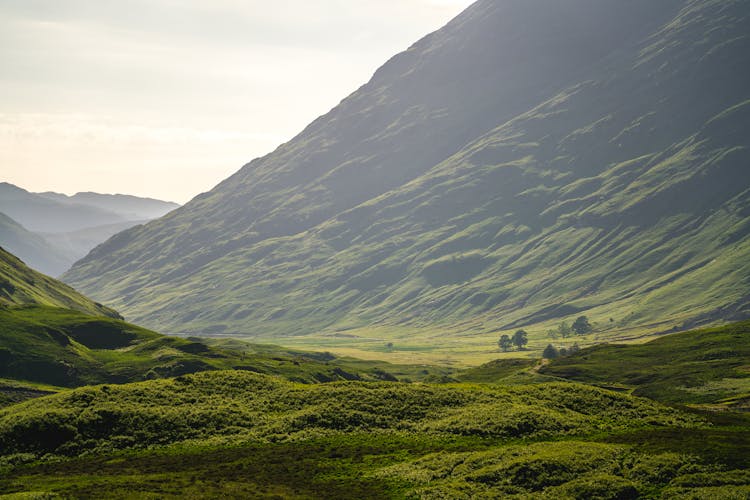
(51, 334)
(38, 252)
(525, 163)
(22, 286)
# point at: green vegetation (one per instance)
(21, 285)
(710, 367)
(508, 428)
(244, 434)
(67, 348)
(429, 221)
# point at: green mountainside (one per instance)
(51, 334)
(528, 162)
(22, 286)
(38, 252)
(239, 434)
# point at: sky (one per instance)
(166, 98)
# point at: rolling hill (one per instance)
(529, 162)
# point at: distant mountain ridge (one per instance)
(128, 206)
(69, 226)
(529, 162)
(37, 251)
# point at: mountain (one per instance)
(39, 213)
(37, 251)
(70, 226)
(527, 163)
(130, 207)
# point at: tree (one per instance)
(564, 330)
(520, 339)
(550, 352)
(505, 343)
(582, 326)
(574, 348)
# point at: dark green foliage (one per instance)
(505, 343)
(67, 348)
(232, 433)
(581, 326)
(244, 405)
(520, 339)
(550, 352)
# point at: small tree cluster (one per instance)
(519, 340)
(580, 326)
(552, 352)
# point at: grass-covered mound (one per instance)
(68, 348)
(245, 435)
(234, 406)
(568, 469)
(710, 366)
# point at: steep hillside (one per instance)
(37, 251)
(22, 286)
(528, 162)
(77, 244)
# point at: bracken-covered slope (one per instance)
(530, 161)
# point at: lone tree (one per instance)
(582, 326)
(505, 343)
(520, 339)
(550, 352)
(564, 330)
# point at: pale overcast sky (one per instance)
(165, 98)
